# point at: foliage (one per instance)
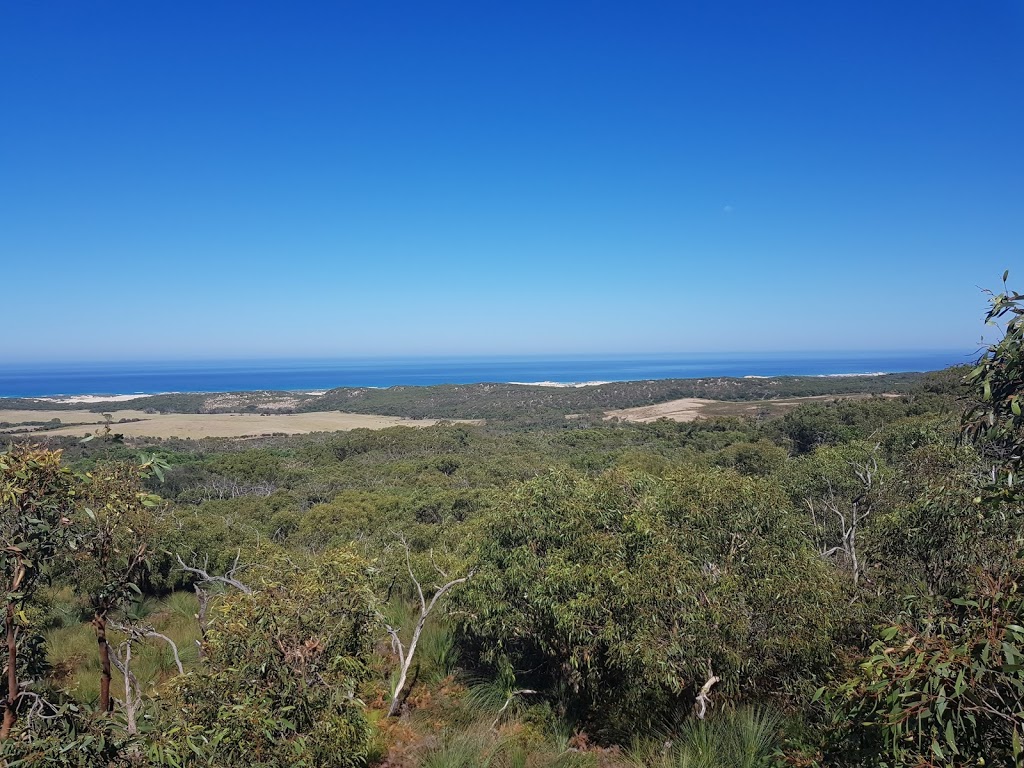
(995, 417)
(932, 531)
(622, 595)
(70, 736)
(37, 502)
(118, 528)
(282, 672)
(944, 685)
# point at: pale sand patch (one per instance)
(198, 425)
(684, 409)
(575, 384)
(690, 408)
(90, 399)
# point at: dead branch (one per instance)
(406, 654)
(511, 696)
(703, 702)
(204, 577)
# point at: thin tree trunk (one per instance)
(10, 711)
(403, 694)
(204, 600)
(398, 699)
(131, 696)
(99, 623)
(406, 655)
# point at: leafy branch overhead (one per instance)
(994, 419)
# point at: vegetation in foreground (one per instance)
(840, 586)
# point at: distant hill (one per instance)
(513, 402)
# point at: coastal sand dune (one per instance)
(690, 408)
(684, 409)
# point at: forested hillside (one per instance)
(839, 586)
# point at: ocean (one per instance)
(49, 379)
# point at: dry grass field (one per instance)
(198, 425)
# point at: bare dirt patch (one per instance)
(684, 409)
(690, 408)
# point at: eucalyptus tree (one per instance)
(283, 671)
(37, 502)
(118, 534)
(995, 417)
(630, 600)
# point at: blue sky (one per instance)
(257, 179)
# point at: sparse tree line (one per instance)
(840, 586)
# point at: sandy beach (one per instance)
(87, 399)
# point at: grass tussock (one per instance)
(744, 738)
(74, 660)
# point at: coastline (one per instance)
(122, 382)
(86, 399)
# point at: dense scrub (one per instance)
(836, 587)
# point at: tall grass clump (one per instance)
(744, 738)
(438, 650)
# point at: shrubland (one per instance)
(839, 586)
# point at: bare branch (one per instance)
(396, 644)
(703, 701)
(173, 647)
(520, 692)
(207, 578)
(408, 565)
(406, 654)
(437, 567)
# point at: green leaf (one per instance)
(958, 686)
(951, 738)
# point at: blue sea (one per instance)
(47, 379)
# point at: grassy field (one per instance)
(71, 644)
(196, 425)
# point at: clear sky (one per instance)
(253, 179)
